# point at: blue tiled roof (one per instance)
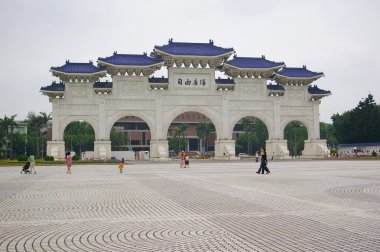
(224, 81)
(359, 144)
(103, 84)
(244, 62)
(79, 68)
(130, 60)
(158, 80)
(54, 87)
(193, 49)
(275, 87)
(316, 90)
(300, 72)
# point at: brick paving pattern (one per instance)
(211, 206)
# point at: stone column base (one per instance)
(159, 150)
(278, 149)
(56, 149)
(225, 149)
(315, 149)
(102, 150)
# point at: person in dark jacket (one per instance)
(264, 162)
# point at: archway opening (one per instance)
(130, 133)
(79, 136)
(193, 132)
(295, 133)
(249, 133)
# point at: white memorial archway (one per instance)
(191, 86)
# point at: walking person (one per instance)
(264, 162)
(69, 162)
(121, 166)
(32, 162)
(182, 157)
(187, 160)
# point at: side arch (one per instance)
(305, 122)
(147, 119)
(212, 115)
(88, 119)
(259, 115)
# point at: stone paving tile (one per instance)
(212, 206)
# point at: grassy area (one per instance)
(41, 162)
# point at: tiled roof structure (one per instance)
(77, 68)
(54, 87)
(224, 81)
(301, 72)
(130, 60)
(245, 62)
(275, 87)
(317, 91)
(193, 49)
(158, 80)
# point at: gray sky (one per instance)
(339, 38)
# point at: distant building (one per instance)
(22, 128)
(358, 149)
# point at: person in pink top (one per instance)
(69, 161)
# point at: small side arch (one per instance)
(307, 123)
(88, 119)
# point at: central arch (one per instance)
(212, 115)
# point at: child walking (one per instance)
(121, 167)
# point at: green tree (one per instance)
(79, 136)
(7, 125)
(327, 132)
(359, 125)
(119, 140)
(296, 134)
(204, 130)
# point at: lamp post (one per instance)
(295, 139)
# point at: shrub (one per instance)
(22, 158)
(49, 158)
(374, 154)
(75, 158)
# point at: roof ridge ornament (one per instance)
(170, 40)
(114, 52)
(67, 61)
(304, 66)
(263, 56)
(211, 42)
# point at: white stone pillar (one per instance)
(315, 149)
(225, 149)
(102, 150)
(316, 128)
(102, 123)
(56, 149)
(278, 149)
(159, 150)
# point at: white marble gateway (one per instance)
(191, 86)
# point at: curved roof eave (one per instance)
(300, 78)
(269, 68)
(60, 72)
(193, 56)
(109, 64)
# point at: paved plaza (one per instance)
(212, 206)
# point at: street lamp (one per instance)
(295, 139)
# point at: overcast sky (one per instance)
(339, 38)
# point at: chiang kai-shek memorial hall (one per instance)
(256, 87)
